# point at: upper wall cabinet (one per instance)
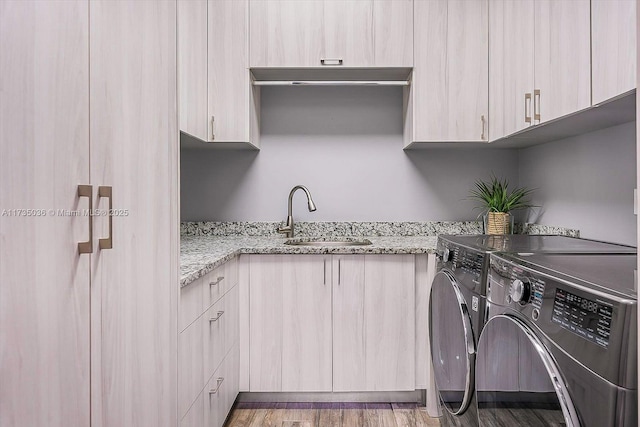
(539, 57)
(315, 33)
(449, 93)
(217, 100)
(613, 48)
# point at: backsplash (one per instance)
(354, 229)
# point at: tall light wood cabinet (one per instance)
(89, 97)
(44, 155)
(613, 48)
(449, 92)
(331, 323)
(316, 33)
(218, 102)
(539, 57)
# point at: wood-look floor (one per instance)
(329, 415)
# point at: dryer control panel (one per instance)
(586, 317)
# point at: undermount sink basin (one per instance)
(327, 242)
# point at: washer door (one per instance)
(452, 343)
(517, 380)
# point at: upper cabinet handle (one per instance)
(327, 61)
(527, 107)
(87, 191)
(536, 110)
(104, 191)
(482, 119)
(213, 135)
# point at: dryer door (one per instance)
(517, 380)
(452, 343)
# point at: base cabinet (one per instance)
(332, 323)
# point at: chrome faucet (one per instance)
(288, 229)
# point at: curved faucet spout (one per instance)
(288, 228)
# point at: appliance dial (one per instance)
(520, 290)
(447, 255)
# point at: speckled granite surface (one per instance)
(206, 245)
(201, 254)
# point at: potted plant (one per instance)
(497, 202)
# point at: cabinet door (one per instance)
(450, 77)
(613, 48)
(192, 68)
(348, 32)
(306, 323)
(134, 149)
(393, 33)
(511, 58)
(229, 82)
(374, 323)
(562, 71)
(286, 33)
(44, 155)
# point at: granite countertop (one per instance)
(201, 254)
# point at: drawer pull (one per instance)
(218, 280)
(218, 315)
(327, 61)
(215, 390)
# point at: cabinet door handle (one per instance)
(215, 390)
(328, 61)
(213, 135)
(339, 272)
(482, 137)
(217, 281)
(215, 319)
(527, 107)
(87, 191)
(104, 191)
(536, 110)
(324, 271)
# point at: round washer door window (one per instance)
(452, 343)
(517, 379)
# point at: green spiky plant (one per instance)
(495, 196)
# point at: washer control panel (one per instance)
(588, 318)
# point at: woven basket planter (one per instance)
(498, 223)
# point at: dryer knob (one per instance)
(520, 291)
(447, 255)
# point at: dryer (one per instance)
(457, 311)
(560, 343)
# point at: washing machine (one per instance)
(559, 347)
(457, 310)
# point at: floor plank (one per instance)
(330, 415)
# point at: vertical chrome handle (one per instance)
(213, 134)
(87, 191)
(215, 319)
(107, 243)
(536, 111)
(482, 137)
(215, 390)
(217, 281)
(339, 271)
(527, 103)
(327, 61)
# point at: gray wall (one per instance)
(345, 145)
(585, 182)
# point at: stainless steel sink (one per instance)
(321, 241)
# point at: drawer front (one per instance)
(222, 389)
(195, 415)
(190, 365)
(220, 330)
(191, 305)
(218, 282)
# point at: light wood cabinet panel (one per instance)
(191, 303)
(450, 78)
(220, 331)
(393, 33)
(613, 48)
(216, 283)
(266, 277)
(190, 365)
(134, 131)
(562, 67)
(195, 415)
(348, 32)
(221, 391)
(192, 68)
(306, 323)
(511, 62)
(44, 152)
(286, 33)
(349, 369)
